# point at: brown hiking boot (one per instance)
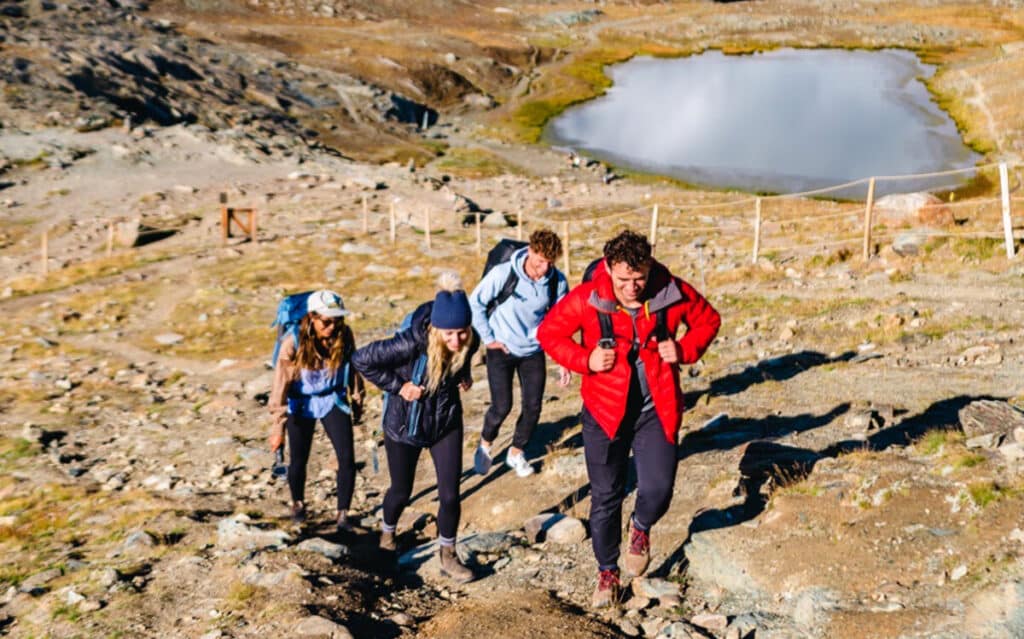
(638, 555)
(607, 591)
(387, 541)
(452, 568)
(344, 524)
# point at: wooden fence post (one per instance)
(44, 252)
(426, 224)
(565, 243)
(366, 218)
(392, 219)
(1004, 182)
(224, 217)
(867, 219)
(110, 238)
(654, 229)
(479, 236)
(757, 230)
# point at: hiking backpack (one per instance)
(501, 253)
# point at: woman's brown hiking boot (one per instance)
(387, 541)
(452, 568)
(638, 555)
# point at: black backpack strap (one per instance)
(661, 325)
(605, 320)
(506, 291)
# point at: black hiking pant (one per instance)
(607, 465)
(300, 436)
(532, 372)
(402, 459)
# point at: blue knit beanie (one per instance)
(451, 310)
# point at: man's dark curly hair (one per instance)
(547, 243)
(629, 247)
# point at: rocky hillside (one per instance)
(852, 455)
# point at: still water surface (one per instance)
(782, 121)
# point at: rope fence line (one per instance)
(733, 226)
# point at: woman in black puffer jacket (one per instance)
(423, 368)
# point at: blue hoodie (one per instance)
(515, 322)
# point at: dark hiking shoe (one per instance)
(607, 592)
(638, 555)
(298, 512)
(387, 541)
(452, 568)
(344, 524)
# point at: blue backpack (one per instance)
(290, 312)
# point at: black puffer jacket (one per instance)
(388, 364)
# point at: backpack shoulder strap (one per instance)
(607, 332)
(505, 292)
(661, 325)
(419, 369)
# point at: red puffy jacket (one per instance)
(604, 394)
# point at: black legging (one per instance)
(402, 460)
(300, 436)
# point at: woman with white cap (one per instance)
(423, 368)
(312, 381)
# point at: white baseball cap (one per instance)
(326, 304)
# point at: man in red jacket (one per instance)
(628, 316)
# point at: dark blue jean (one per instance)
(607, 466)
(532, 372)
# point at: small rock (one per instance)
(958, 573)
(677, 630)
(402, 619)
(138, 541)
(654, 588)
(1012, 451)
(323, 547)
(233, 532)
(710, 621)
(629, 628)
(314, 626)
(568, 530)
(169, 339)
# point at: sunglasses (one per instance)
(325, 321)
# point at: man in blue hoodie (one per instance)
(510, 335)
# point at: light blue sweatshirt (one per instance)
(515, 322)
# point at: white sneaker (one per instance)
(518, 463)
(482, 460)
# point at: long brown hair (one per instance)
(309, 356)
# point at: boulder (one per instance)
(988, 416)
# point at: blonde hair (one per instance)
(442, 362)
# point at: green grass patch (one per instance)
(934, 441)
(968, 460)
(475, 163)
(15, 448)
(984, 493)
